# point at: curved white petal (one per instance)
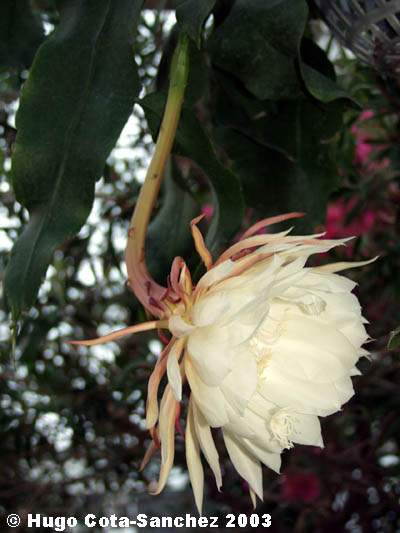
(246, 464)
(210, 400)
(270, 459)
(313, 350)
(211, 307)
(309, 397)
(206, 441)
(345, 389)
(317, 280)
(216, 274)
(241, 382)
(254, 277)
(343, 311)
(307, 430)
(261, 425)
(179, 327)
(355, 372)
(212, 353)
(238, 425)
(308, 302)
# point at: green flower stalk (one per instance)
(146, 289)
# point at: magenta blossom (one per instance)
(300, 487)
(337, 214)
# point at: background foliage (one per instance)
(266, 128)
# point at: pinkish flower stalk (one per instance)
(150, 293)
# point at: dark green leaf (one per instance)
(197, 82)
(299, 173)
(192, 141)
(191, 16)
(75, 102)
(21, 33)
(169, 234)
(394, 338)
(321, 87)
(319, 75)
(258, 43)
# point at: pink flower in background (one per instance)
(364, 148)
(300, 487)
(336, 217)
(208, 211)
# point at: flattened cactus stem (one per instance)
(138, 274)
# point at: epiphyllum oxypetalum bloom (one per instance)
(266, 344)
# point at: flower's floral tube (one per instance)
(267, 345)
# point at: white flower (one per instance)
(271, 345)
(267, 346)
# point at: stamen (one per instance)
(282, 426)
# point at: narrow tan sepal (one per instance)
(343, 265)
(199, 243)
(152, 448)
(152, 387)
(269, 221)
(168, 412)
(248, 243)
(154, 324)
(196, 473)
(253, 497)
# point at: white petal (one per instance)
(289, 275)
(306, 396)
(355, 372)
(241, 382)
(345, 389)
(261, 406)
(212, 353)
(307, 430)
(254, 277)
(211, 307)
(178, 327)
(207, 445)
(245, 463)
(247, 319)
(216, 274)
(238, 425)
(327, 282)
(210, 400)
(343, 311)
(313, 350)
(308, 302)
(272, 460)
(262, 435)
